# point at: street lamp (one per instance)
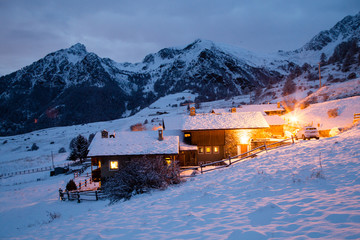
(319, 75)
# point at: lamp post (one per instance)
(319, 75)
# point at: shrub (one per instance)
(351, 76)
(34, 147)
(141, 176)
(137, 127)
(332, 113)
(62, 150)
(71, 185)
(289, 87)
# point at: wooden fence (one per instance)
(356, 117)
(42, 169)
(34, 170)
(80, 195)
(252, 153)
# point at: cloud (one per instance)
(129, 30)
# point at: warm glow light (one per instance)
(114, 165)
(294, 119)
(244, 139)
(207, 149)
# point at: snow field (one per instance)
(277, 195)
(283, 194)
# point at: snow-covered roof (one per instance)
(253, 108)
(274, 120)
(211, 121)
(133, 143)
(187, 147)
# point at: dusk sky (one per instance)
(126, 31)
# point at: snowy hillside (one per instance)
(307, 190)
(319, 114)
(283, 194)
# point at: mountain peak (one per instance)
(202, 43)
(347, 28)
(77, 49)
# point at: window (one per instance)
(216, 150)
(168, 161)
(187, 138)
(200, 150)
(114, 165)
(208, 150)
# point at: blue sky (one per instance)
(126, 31)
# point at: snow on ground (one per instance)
(284, 194)
(318, 113)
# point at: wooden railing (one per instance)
(42, 169)
(356, 117)
(231, 160)
(80, 195)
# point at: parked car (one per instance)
(307, 133)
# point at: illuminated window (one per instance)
(168, 161)
(208, 150)
(200, 150)
(114, 165)
(187, 138)
(216, 149)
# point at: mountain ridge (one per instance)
(82, 87)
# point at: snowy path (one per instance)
(274, 196)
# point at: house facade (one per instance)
(220, 135)
(108, 155)
(203, 138)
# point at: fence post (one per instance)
(68, 195)
(85, 182)
(79, 185)
(201, 168)
(78, 196)
(292, 139)
(229, 160)
(61, 195)
(96, 195)
(265, 146)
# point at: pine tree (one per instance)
(79, 148)
(289, 87)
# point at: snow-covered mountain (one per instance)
(73, 86)
(326, 41)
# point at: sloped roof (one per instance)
(253, 108)
(274, 120)
(212, 121)
(133, 143)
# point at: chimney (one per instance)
(278, 105)
(192, 111)
(161, 134)
(233, 110)
(104, 134)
